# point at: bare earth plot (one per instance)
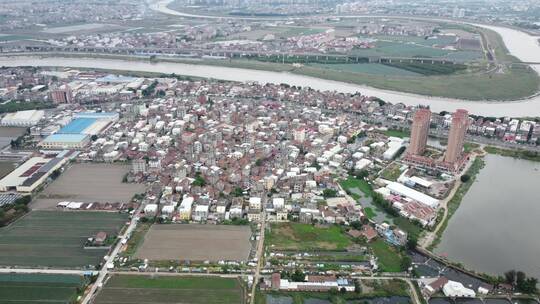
(89, 183)
(56, 238)
(135, 289)
(196, 243)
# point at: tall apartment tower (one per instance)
(456, 137)
(419, 132)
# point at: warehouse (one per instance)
(399, 189)
(31, 174)
(76, 134)
(65, 141)
(22, 118)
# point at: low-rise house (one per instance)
(200, 213)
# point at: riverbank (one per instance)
(519, 153)
(454, 203)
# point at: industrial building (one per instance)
(402, 190)
(31, 174)
(76, 134)
(65, 141)
(22, 118)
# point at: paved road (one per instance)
(104, 271)
(47, 271)
(259, 255)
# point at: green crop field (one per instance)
(296, 236)
(56, 239)
(39, 288)
(169, 289)
(365, 68)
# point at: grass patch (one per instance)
(56, 239)
(370, 213)
(164, 289)
(412, 229)
(469, 147)
(389, 258)
(455, 201)
(520, 153)
(300, 237)
(397, 133)
(354, 183)
(391, 172)
(137, 236)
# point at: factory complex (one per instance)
(77, 133)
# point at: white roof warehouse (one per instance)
(31, 174)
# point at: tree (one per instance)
(199, 181)
(510, 277)
(329, 193)
(405, 263)
(521, 277)
(298, 276)
(465, 178)
(25, 200)
(357, 286)
(356, 225)
(412, 242)
(362, 174)
(94, 137)
(237, 192)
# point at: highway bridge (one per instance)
(287, 57)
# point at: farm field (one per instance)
(39, 288)
(367, 68)
(170, 289)
(56, 238)
(296, 236)
(196, 243)
(89, 183)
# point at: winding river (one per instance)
(520, 44)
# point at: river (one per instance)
(529, 107)
(496, 226)
(520, 44)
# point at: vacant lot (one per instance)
(296, 236)
(388, 257)
(196, 243)
(169, 289)
(39, 288)
(56, 239)
(89, 183)
(7, 134)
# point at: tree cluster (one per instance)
(520, 281)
